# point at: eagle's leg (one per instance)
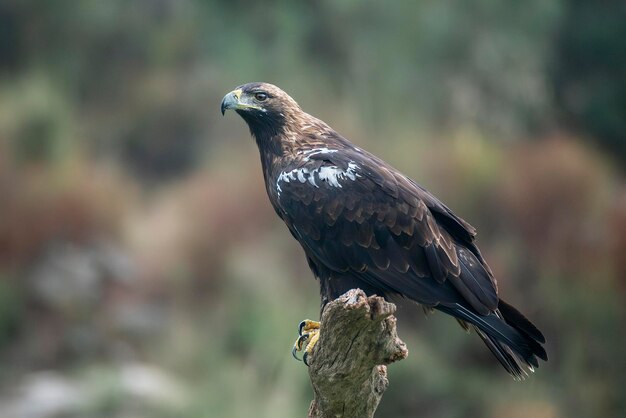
(308, 332)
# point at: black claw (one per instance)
(300, 326)
(294, 353)
(305, 357)
(298, 345)
(301, 340)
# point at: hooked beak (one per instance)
(231, 100)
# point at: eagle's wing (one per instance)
(355, 214)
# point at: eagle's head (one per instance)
(265, 108)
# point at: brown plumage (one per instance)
(364, 224)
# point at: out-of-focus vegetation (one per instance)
(143, 273)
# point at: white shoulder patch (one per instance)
(332, 175)
(315, 151)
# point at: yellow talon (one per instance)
(307, 325)
(309, 347)
(308, 332)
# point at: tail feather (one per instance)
(512, 338)
(505, 355)
(515, 318)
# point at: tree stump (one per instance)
(348, 370)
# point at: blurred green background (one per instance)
(144, 274)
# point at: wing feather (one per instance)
(388, 231)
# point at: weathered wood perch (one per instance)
(348, 370)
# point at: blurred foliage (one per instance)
(589, 68)
(143, 272)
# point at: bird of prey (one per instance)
(363, 224)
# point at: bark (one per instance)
(348, 366)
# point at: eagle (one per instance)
(363, 224)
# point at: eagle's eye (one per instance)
(260, 96)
